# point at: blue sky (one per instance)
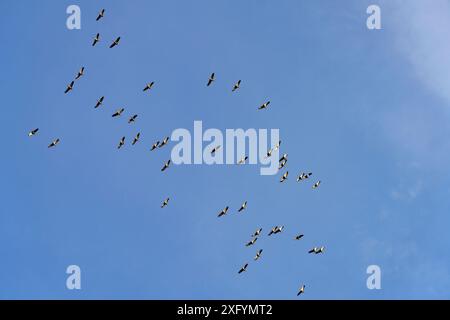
(366, 111)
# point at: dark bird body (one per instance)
(115, 43)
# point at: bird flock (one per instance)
(159, 144)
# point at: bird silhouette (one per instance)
(298, 237)
(100, 14)
(243, 159)
(133, 118)
(33, 132)
(99, 102)
(121, 143)
(80, 73)
(54, 143)
(243, 206)
(118, 112)
(251, 242)
(215, 149)
(301, 290)
(115, 43)
(317, 250)
(236, 86)
(243, 269)
(164, 142)
(282, 164)
(136, 139)
(69, 87)
(275, 230)
(284, 176)
(148, 86)
(265, 105)
(211, 79)
(96, 39)
(223, 212)
(277, 146)
(257, 232)
(165, 203)
(316, 185)
(166, 165)
(154, 146)
(258, 254)
(303, 176)
(283, 158)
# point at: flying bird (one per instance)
(118, 112)
(269, 153)
(301, 290)
(243, 207)
(272, 231)
(69, 87)
(257, 232)
(165, 203)
(284, 177)
(258, 254)
(121, 143)
(316, 185)
(154, 146)
(317, 250)
(283, 158)
(133, 119)
(236, 86)
(80, 73)
(115, 43)
(277, 146)
(166, 165)
(251, 242)
(164, 142)
(279, 229)
(275, 230)
(303, 176)
(96, 39)
(136, 139)
(223, 212)
(298, 237)
(215, 149)
(33, 132)
(282, 164)
(264, 105)
(243, 269)
(100, 14)
(313, 250)
(54, 143)
(148, 86)
(99, 102)
(243, 159)
(211, 79)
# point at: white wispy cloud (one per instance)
(418, 128)
(408, 192)
(422, 30)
